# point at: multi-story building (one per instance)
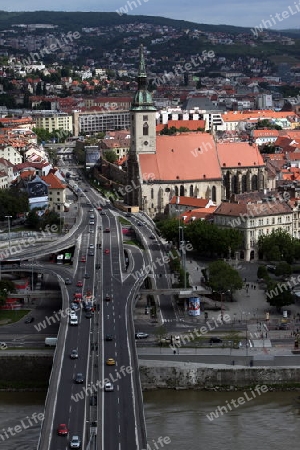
(90, 122)
(53, 121)
(56, 192)
(255, 220)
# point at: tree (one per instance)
(6, 287)
(169, 229)
(110, 156)
(279, 295)
(262, 272)
(279, 245)
(283, 269)
(223, 278)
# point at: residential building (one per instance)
(90, 122)
(255, 220)
(56, 192)
(53, 121)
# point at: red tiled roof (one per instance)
(239, 154)
(187, 156)
(189, 201)
(53, 181)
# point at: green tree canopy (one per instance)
(279, 245)
(223, 278)
(279, 295)
(12, 202)
(110, 156)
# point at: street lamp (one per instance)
(8, 221)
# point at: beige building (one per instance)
(12, 155)
(53, 121)
(255, 220)
(56, 192)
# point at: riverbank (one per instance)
(180, 375)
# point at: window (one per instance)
(273, 220)
(152, 193)
(145, 129)
(279, 219)
(145, 117)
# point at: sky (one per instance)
(285, 13)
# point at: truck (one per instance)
(50, 341)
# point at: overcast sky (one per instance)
(231, 12)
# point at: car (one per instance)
(91, 246)
(79, 379)
(75, 306)
(91, 230)
(83, 259)
(127, 215)
(215, 340)
(75, 442)
(74, 354)
(152, 236)
(91, 210)
(85, 190)
(29, 319)
(89, 314)
(141, 335)
(91, 222)
(77, 297)
(108, 387)
(103, 213)
(109, 337)
(79, 283)
(271, 268)
(107, 230)
(99, 208)
(140, 224)
(107, 298)
(86, 275)
(110, 362)
(92, 216)
(62, 430)
(68, 281)
(91, 253)
(106, 251)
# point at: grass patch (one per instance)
(123, 221)
(12, 316)
(134, 242)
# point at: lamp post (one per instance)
(8, 221)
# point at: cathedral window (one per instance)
(145, 129)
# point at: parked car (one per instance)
(141, 335)
(215, 340)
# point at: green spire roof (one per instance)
(143, 99)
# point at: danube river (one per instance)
(269, 421)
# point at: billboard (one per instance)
(194, 306)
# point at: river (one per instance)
(269, 421)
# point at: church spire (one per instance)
(142, 99)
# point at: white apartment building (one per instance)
(91, 122)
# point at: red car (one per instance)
(79, 284)
(83, 259)
(106, 251)
(99, 208)
(62, 430)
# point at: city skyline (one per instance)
(237, 12)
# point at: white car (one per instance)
(141, 335)
(75, 442)
(108, 387)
